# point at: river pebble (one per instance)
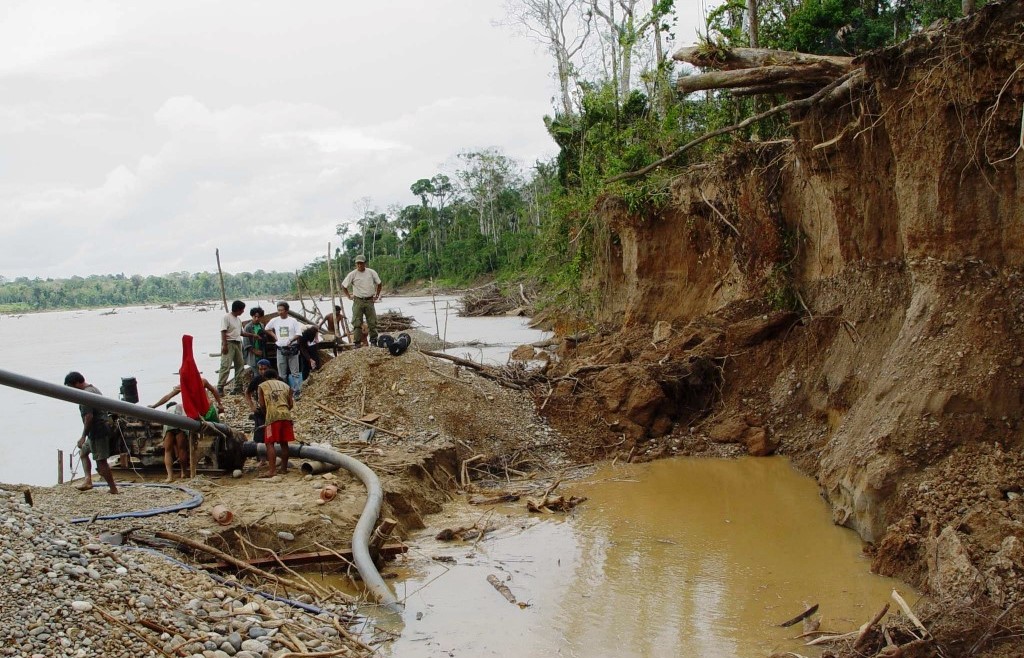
(67, 594)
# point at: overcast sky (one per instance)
(137, 136)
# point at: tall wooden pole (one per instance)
(335, 321)
(223, 293)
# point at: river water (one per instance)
(145, 343)
(680, 557)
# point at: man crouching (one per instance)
(277, 400)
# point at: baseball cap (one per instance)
(360, 258)
(264, 362)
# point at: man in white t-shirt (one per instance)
(284, 330)
(362, 286)
(231, 347)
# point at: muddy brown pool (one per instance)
(681, 557)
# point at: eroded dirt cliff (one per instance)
(851, 298)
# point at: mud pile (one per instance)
(893, 223)
(425, 402)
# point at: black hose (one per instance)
(78, 396)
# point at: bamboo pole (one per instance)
(334, 290)
(344, 318)
(220, 273)
(60, 467)
(193, 453)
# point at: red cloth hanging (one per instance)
(193, 393)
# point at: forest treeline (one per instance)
(23, 294)
(617, 110)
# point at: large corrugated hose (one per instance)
(367, 520)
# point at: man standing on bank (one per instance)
(362, 286)
(97, 436)
(231, 347)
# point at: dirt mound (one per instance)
(425, 401)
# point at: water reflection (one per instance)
(679, 557)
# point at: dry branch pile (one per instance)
(394, 321)
(489, 300)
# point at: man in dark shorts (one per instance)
(97, 436)
(259, 415)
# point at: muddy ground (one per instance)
(433, 416)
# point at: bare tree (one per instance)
(752, 18)
(623, 30)
(563, 27)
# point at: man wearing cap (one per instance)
(362, 286)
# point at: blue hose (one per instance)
(196, 501)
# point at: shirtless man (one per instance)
(211, 413)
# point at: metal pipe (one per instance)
(364, 527)
(315, 467)
(78, 396)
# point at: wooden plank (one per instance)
(301, 559)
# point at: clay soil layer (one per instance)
(863, 314)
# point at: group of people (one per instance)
(271, 394)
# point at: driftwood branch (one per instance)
(862, 634)
(800, 617)
(241, 565)
(484, 371)
(901, 602)
(356, 421)
(502, 589)
(792, 105)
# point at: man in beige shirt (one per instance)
(363, 286)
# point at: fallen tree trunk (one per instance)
(731, 59)
(764, 76)
(837, 86)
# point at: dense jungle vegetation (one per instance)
(23, 294)
(616, 110)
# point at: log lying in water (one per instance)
(502, 589)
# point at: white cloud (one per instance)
(138, 137)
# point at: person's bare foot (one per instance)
(114, 491)
(168, 479)
(265, 476)
(85, 486)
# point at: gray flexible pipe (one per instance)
(78, 396)
(364, 527)
(316, 467)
